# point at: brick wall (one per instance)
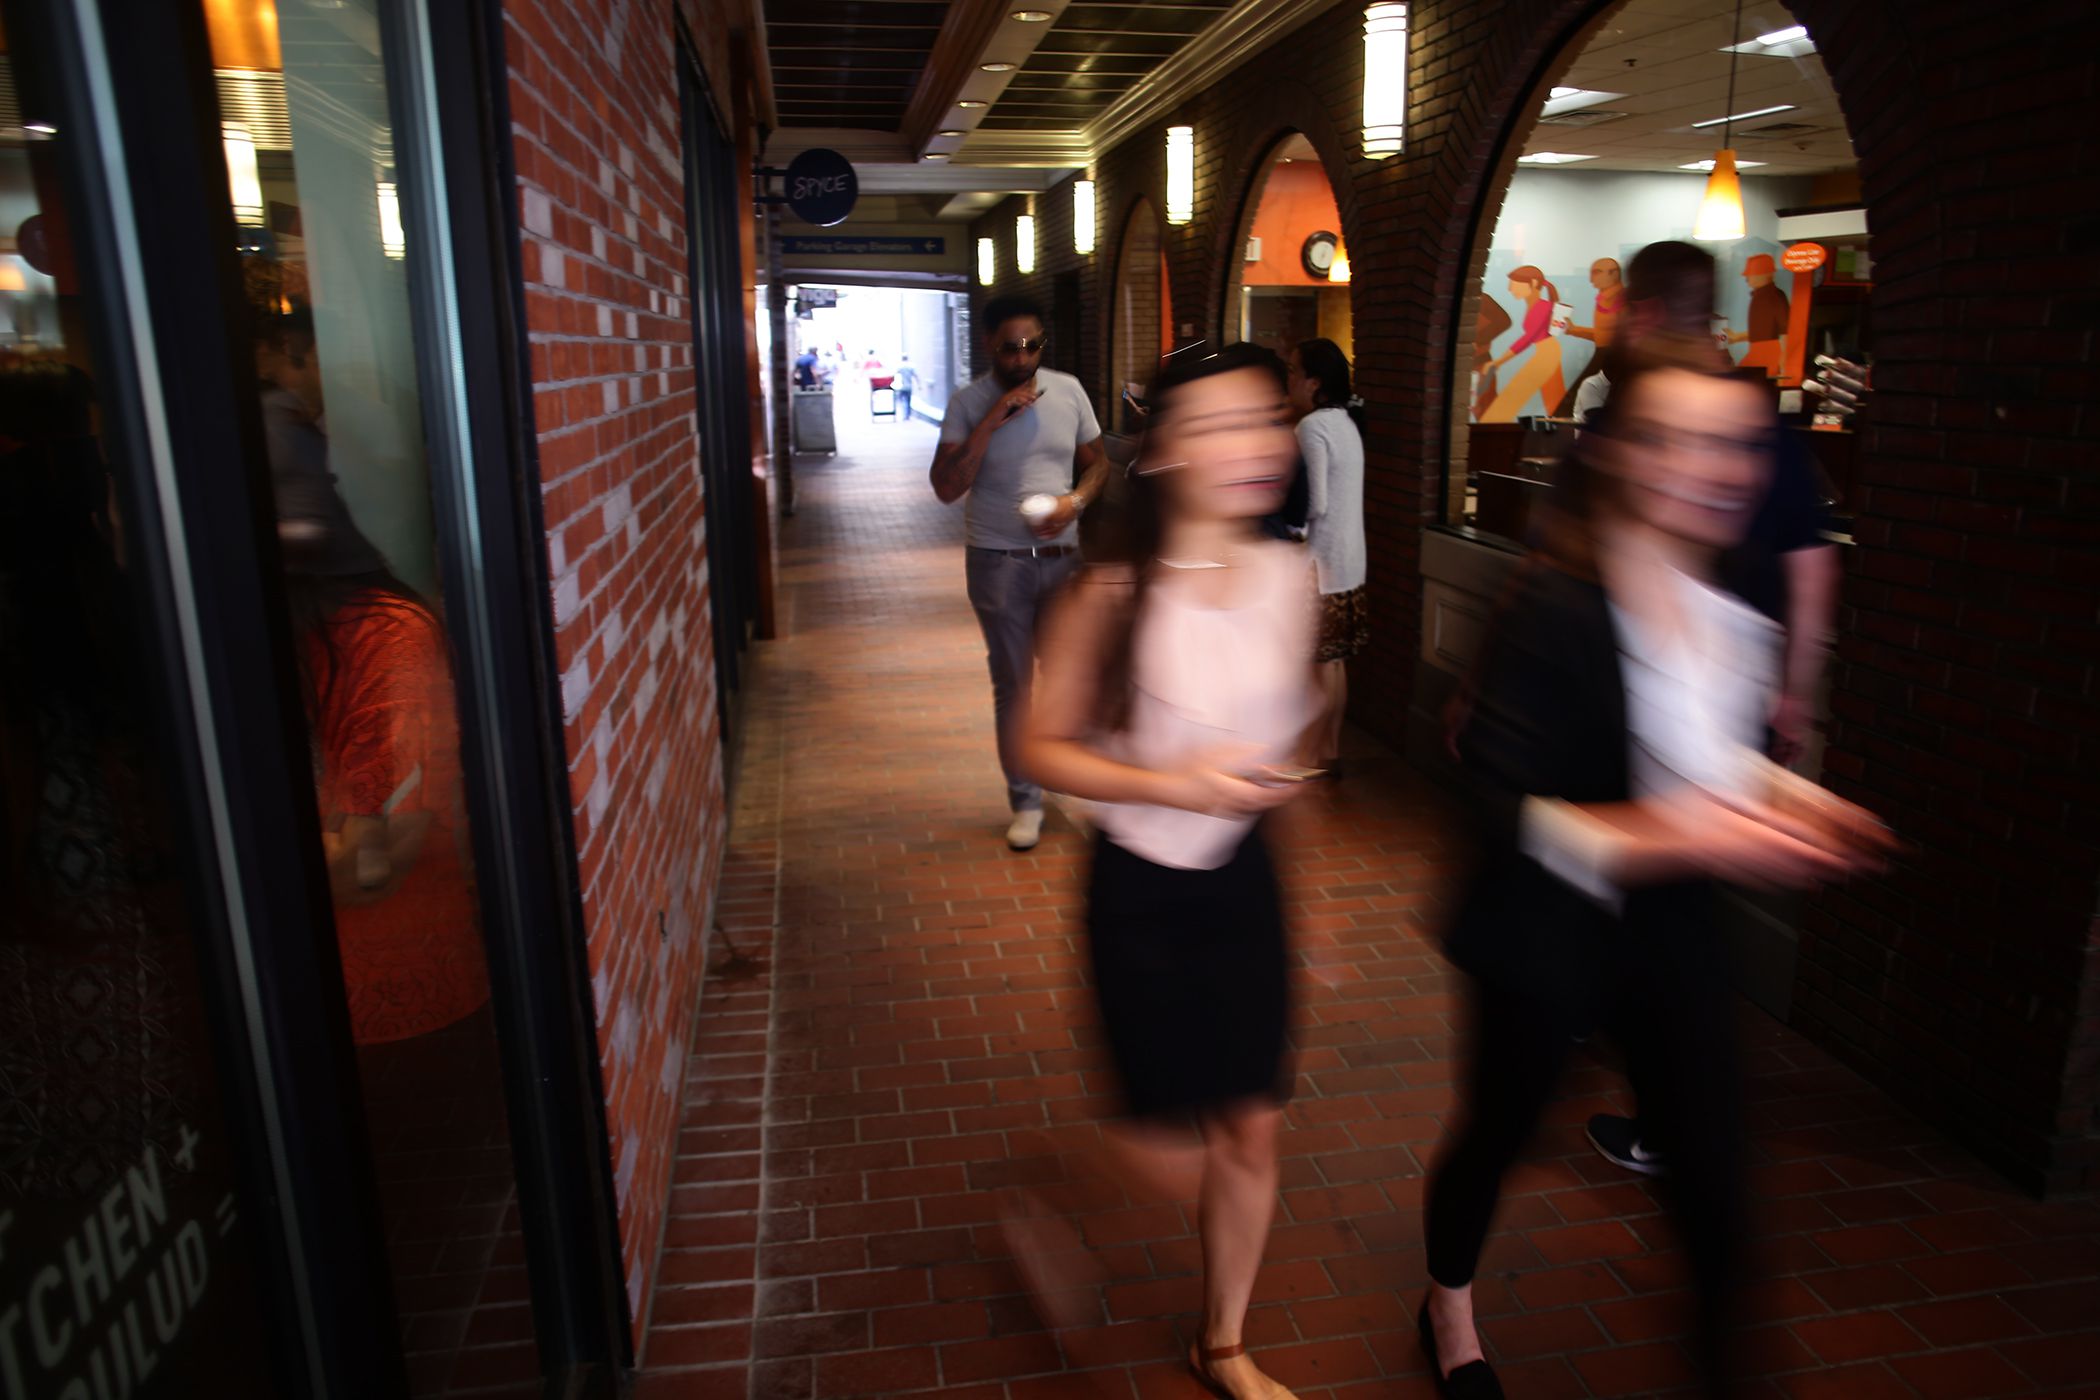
(595, 112)
(1968, 980)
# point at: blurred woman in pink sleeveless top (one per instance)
(1177, 683)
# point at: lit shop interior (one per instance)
(1623, 153)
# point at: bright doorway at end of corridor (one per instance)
(869, 360)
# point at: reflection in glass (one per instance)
(327, 268)
(124, 1269)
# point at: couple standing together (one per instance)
(1614, 746)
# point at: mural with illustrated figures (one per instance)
(1554, 289)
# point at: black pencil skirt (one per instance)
(1190, 969)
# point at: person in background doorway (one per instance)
(907, 379)
(1175, 694)
(1617, 783)
(1331, 443)
(1017, 437)
(806, 369)
(1768, 316)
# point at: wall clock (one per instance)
(1318, 254)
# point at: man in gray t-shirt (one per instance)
(1020, 431)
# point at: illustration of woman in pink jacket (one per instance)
(1541, 371)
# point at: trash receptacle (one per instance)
(810, 420)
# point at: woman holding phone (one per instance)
(1618, 783)
(1176, 683)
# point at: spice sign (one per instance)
(97, 1313)
(821, 187)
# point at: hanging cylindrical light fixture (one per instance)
(987, 261)
(1024, 243)
(243, 179)
(1181, 174)
(1721, 209)
(1385, 79)
(1083, 216)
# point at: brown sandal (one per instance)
(1200, 1357)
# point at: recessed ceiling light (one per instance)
(972, 103)
(1574, 99)
(1551, 158)
(1708, 164)
(1743, 116)
(1032, 16)
(952, 134)
(40, 128)
(1783, 36)
(997, 67)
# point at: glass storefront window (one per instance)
(1617, 158)
(124, 1267)
(303, 88)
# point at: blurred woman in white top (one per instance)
(1331, 442)
(1175, 692)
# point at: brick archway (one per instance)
(1131, 221)
(1864, 51)
(1288, 108)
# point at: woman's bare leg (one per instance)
(1334, 693)
(1238, 1203)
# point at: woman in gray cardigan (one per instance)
(1330, 440)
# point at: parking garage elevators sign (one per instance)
(821, 187)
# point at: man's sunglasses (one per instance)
(1021, 347)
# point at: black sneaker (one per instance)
(1618, 1140)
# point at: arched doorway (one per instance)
(1616, 157)
(1141, 313)
(1287, 272)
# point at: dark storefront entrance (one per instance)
(297, 1092)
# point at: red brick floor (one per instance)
(907, 1031)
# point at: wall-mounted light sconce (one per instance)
(1083, 217)
(1385, 79)
(1338, 270)
(1181, 174)
(392, 241)
(1024, 243)
(242, 177)
(987, 262)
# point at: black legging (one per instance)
(1675, 1020)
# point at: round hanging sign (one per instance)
(1804, 257)
(821, 187)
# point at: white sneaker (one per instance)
(1026, 829)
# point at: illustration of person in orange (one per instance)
(1768, 314)
(1541, 371)
(1610, 282)
(1491, 322)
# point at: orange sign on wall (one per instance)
(1802, 259)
